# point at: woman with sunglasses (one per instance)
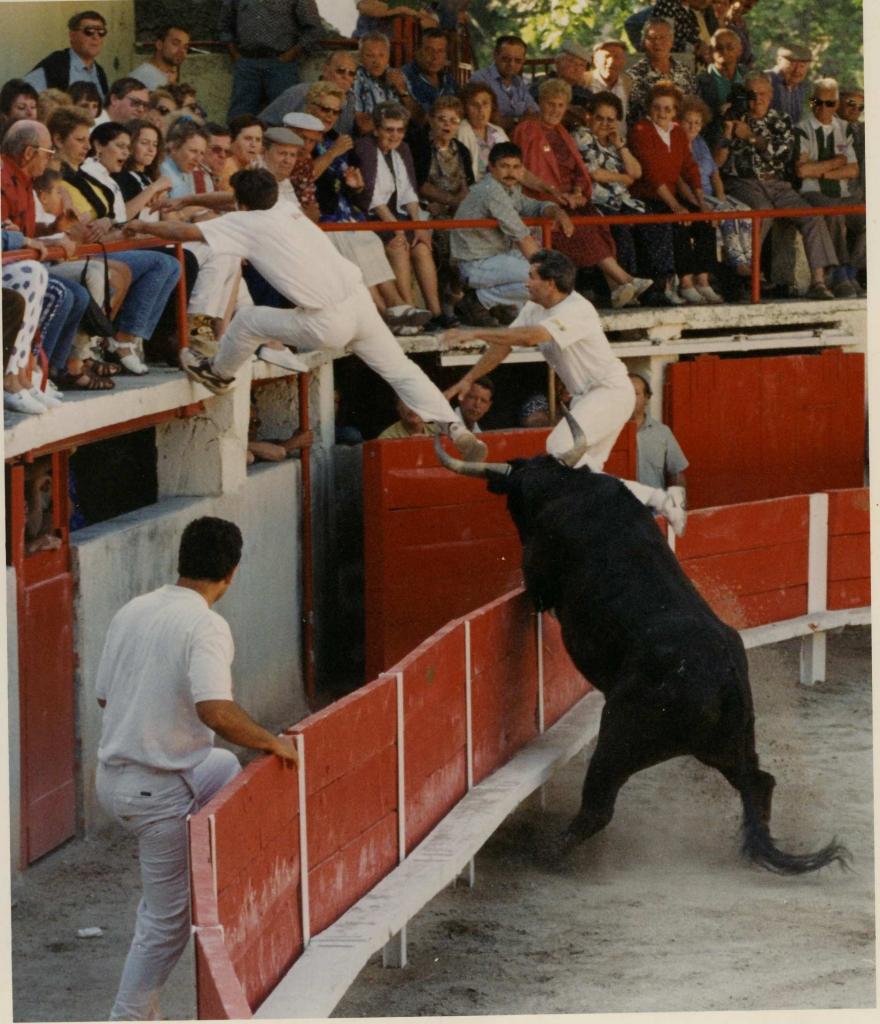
(97, 198)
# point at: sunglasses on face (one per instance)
(92, 31)
(824, 103)
(334, 111)
(345, 71)
(165, 110)
(221, 150)
(855, 106)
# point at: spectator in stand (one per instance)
(828, 169)
(408, 424)
(477, 131)
(735, 235)
(143, 186)
(693, 22)
(572, 66)
(48, 101)
(613, 169)
(756, 156)
(444, 174)
(127, 99)
(376, 16)
(340, 68)
(29, 280)
(851, 110)
(474, 403)
(427, 77)
(609, 60)
(391, 193)
(79, 62)
(311, 131)
(208, 175)
(376, 82)
(85, 96)
(266, 41)
(184, 96)
(722, 82)
(735, 18)
(671, 181)
(18, 102)
(273, 449)
(657, 65)
(549, 151)
(504, 76)
(185, 145)
(154, 274)
(493, 262)
(163, 109)
(661, 462)
(789, 81)
(337, 184)
(163, 68)
(246, 132)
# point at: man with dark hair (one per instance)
(165, 685)
(427, 74)
(334, 309)
(127, 100)
(505, 79)
(79, 62)
(163, 68)
(565, 327)
(474, 403)
(493, 261)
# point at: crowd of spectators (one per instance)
(680, 122)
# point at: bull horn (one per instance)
(483, 470)
(574, 454)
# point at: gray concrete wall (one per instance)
(115, 561)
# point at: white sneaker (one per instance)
(22, 402)
(692, 297)
(709, 294)
(282, 357)
(674, 510)
(623, 294)
(471, 448)
(672, 296)
(640, 286)
(46, 398)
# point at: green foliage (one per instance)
(831, 28)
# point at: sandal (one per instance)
(83, 382)
(98, 368)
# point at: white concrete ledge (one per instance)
(321, 976)
(804, 625)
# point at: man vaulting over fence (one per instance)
(566, 329)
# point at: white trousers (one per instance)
(29, 278)
(355, 323)
(601, 413)
(154, 806)
(217, 277)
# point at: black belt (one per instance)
(257, 52)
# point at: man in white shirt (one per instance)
(334, 308)
(165, 685)
(566, 329)
(163, 68)
(474, 403)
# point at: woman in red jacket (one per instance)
(551, 154)
(670, 181)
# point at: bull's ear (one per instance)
(483, 470)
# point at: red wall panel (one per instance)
(769, 425)
(218, 993)
(849, 555)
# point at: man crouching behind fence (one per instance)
(165, 685)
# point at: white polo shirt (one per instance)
(164, 652)
(579, 351)
(294, 255)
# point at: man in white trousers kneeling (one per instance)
(165, 685)
(333, 306)
(566, 329)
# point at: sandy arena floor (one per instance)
(656, 913)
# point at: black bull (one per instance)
(674, 676)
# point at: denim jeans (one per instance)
(498, 280)
(60, 330)
(154, 805)
(153, 277)
(256, 81)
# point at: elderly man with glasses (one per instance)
(127, 100)
(79, 62)
(789, 81)
(339, 68)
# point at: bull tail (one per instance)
(760, 848)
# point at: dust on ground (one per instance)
(658, 912)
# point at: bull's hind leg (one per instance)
(631, 737)
(752, 783)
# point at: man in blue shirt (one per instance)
(78, 63)
(506, 81)
(789, 81)
(426, 75)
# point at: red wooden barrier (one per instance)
(351, 797)
(417, 514)
(768, 426)
(849, 556)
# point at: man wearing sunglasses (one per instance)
(339, 68)
(127, 100)
(851, 109)
(78, 63)
(829, 172)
